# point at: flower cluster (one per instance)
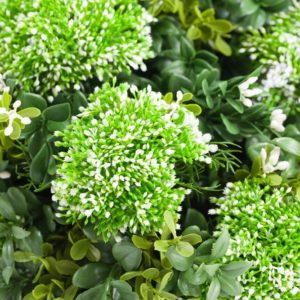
(263, 222)
(278, 53)
(11, 120)
(247, 93)
(54, 45)
(118, 169)
(270, 161)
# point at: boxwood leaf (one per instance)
(178, 261)
(127, 255)
(58, 113)
(80, 249)
(91, 274)
(98, 292)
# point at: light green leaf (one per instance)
(221, 245)
(80, 249)
(185, 249)
(169, 220)
(214, 290)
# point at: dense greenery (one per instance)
(149, 150)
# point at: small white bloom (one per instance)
(270, 163)
(17, 104)
(247, 92)
(8, 130)
(5, 175)
(277, 119)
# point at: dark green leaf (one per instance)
(91, 274)
(58, 112)
(127, 255)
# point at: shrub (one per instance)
(120, 157)
(263, 221)
(54, 45)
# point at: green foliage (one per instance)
(12, 120)
(56, 45)
(258, 215)
(39, 136)
(23, 222)
(200, 25)
(228, 113)
(278, 54)
(114, 163)
(168, 266)
(251, 13)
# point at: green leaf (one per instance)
(124, 290)
(169, 221)
(192, 238)
(194, 108)
(150, 273)
(164, 281)
(236, 268)
(19, 233)
(130, 275)
(236, 104)
(23, 257)
(185, 249)
(221, 26)
(231, 127)
(98, 292)
(6, 209)
(194, 217)
(214, 289)
(221, 245)
(223, 46)
(194, 33)
(288, 144)
(30, 112)
(211, 269)
(274, 179)
(70, 293)
(39, 165)
(127, 255)
(8, 253)
(18, 201)
(206, 92)
(79, 249)
(186, 48)
(178, 82)
(58, 112)
(93, 254)
(66, 267)
(16, 131)
(161, 245)
(141, 242)
(91, 274)
(229, 285)
(40, 291)
(7, 273)
(33, 100)
(178, 261)
(248, 7)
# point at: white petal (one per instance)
(252, 92)
(4, 175)
(282, 165)
(8, 130)
(247, 102)
(274, 156)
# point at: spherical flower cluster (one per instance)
(52, 45)
(264, 223)
(118, 169)
(277, 48)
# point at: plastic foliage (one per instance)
(200, 25)
(261, 213)
(230, 110)
(118, 167)
(71, 265)
(12, 119)
(56, 45)
(40, 166)
(278, 53)
(251, 13)
(23, 221)
(175, 266)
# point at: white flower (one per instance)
(277, 119)
(247, 93)
(270, 163)
(4, 175)
(8, 130)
